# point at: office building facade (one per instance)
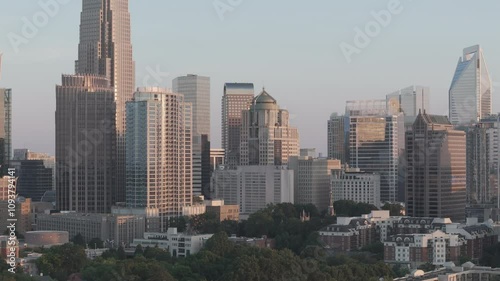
(471, 88)
(354, 185)
(5, 129)
(375, 144)
(267, 137)
(86, 169)
(158, 154)
(105, 49)
(312, 180)
(196, 90)
(236, 99)
(436, 169)
(338, 138)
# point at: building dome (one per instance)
(264, 101)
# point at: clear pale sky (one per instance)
(289, 46)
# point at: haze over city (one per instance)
(290, 47)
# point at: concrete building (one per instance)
(49, 161)
(338, 138)
(121, 229)
(352, 184)
(178, 244)
(109, 54)
(436, 169)
(86, 170)
(46, 238)
(471, 88)
(482, 161)
(252, 188)
(375, 144)
(158, 161)
(222, 211)
(4, 188)
(409, 101)
(5, 129)
(196, 90)
(436, 248)
(5, 247)
(23, 215)
(312, 180)
(308, 152)
(267, 137)
(236, 99)
(366, 108)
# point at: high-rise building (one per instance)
(312, 180)
(267, 137)
(354, 185)
(436, 169)
(105, 48)
(409, 101)
(237, 98)
(158, 153)
(5, 129)
(374, 147)
(196, 90)
(338, 138)
(253, 187)
(49, 161)
(34, 178)
(366, 108)
(85, 144)
(482, 159)
(470, 90)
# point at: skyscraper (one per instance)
(436, 169)
(338, 138)
(237, 98)
(267, 137)
(158, 154)
(85, 144)
(312, 180)
(470, 90)
(5, 129)
(196, 90)
(409, 101)
(374, 147)
(482, 160)
(105, 48)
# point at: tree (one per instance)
(61, 261)
(96, 243)
(179, 222)
(219, 244)
(352, 209)
(121, 253)
(78, 240)
(138, 250)
(394, 209)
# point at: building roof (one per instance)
(264, 101)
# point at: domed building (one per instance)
(266, 136)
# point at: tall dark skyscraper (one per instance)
(5, 129)
(105, 49)
(85, 144)
(90, 173)
(237, 98)
(436, 169)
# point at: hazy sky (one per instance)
(292, 47)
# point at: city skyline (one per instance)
(320, 59)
